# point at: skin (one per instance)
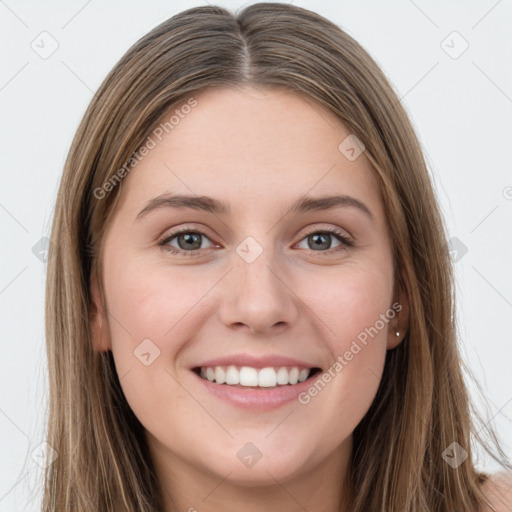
(498, 490)
(258, 150)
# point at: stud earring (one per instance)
(397, 333)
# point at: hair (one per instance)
(422, 404)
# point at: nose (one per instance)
(258, 296)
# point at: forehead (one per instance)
(250, 147)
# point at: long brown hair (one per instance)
(422, 405)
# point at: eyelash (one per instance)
(345, 242)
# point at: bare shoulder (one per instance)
(498, 489)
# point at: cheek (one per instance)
(148, 301)
(355, 311)
(351, 299)
(153, 313)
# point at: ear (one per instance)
(400, 322)
(98, 319)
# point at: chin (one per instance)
(253, 464)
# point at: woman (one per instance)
(250, 304)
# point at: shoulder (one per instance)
(498, 490)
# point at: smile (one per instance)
(247, 376)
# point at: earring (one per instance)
(397, 333)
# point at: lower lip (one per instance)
(257, 399)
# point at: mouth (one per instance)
(271, 377)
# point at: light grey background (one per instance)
(461, 108)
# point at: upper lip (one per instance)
(255, 361)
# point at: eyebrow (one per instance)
(209, 204)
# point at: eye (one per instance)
(321, 239)
(189, 241)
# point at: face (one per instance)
(257, 285)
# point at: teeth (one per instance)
(232, 375)
(267, 378)
(293, 376)
(248, 376)
(303, 374)
(220, 375)
(252, 377)
(282, 376)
